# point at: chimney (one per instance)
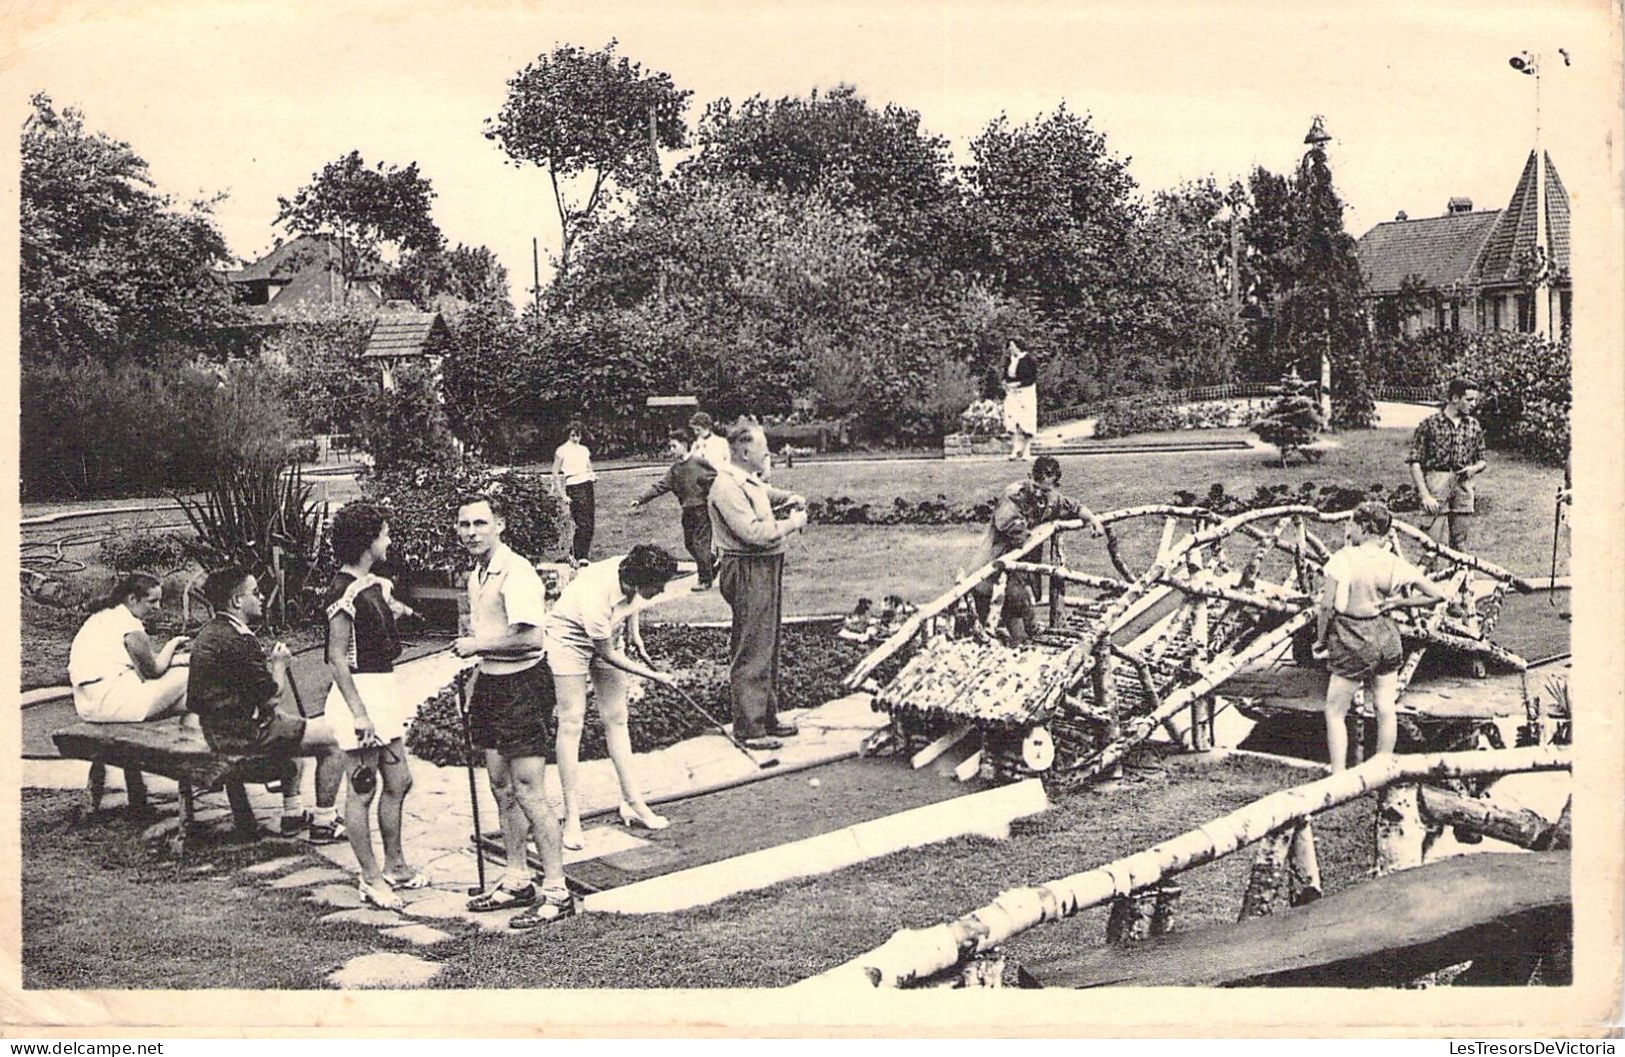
(1400, 217)
(1459, 205)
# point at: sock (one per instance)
(292, 804)
(555, 895)
(513, 881)
(324, 816)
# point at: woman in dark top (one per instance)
(361, 650)
(1020, 400)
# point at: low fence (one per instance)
(966, 951)
(1400, 394)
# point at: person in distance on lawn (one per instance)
(710, 446)
(235, 689)
(688, 478)
(588, 631)
(1023, 507)
(750, 574)
(1020, 400)
(1353, 632)
(369, 718)
(116, 674)
(1447, 452)
(573, 478)
(509, 712)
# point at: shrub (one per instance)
(1331, 498)
(156, 552)
(984, 418)
(841, 510)
(422, 505)
(1125, 418)
(1293, 420)
(406, 426)
(262, 516)
(1525, 382)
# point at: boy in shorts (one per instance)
(510, 711)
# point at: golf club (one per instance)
(1557, 524)
(699, 709)
(464, 687)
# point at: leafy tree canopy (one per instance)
(364, 207)
(109, 267)
(589, 114)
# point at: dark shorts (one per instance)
(1359, 648)
(512, 715)
(282, 736)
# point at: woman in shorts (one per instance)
(361, 650)
(1365, 581)
(586, 633)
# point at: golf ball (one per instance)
(815, 782)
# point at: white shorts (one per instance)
(385, 708)
(128, 698)
(570, 651)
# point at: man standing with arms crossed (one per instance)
(750, 574)
(1447, 452)
(509, 712)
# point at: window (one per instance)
(1526, 313)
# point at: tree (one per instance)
(589, 114)
(1293, 420)
(363, 207)
(108, 266)
(439, 279)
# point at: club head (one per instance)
(772, 761)
(474, 890)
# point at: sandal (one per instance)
(544, 913)
(382, 897)
(500, 898)
(571, 837)
(410, 883)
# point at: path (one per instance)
(437, 825)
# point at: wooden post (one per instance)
(1305, 865)
(135, 789)
(1268, 875)
(242, 813)
(985, 969)
(1523, 828)
(1057, 586)
(1398, 830)
(1354, 723)
(1129, 919)
(1166, 897)
(96, 787)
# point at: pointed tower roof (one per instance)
(1513, 238)
(1318, 136)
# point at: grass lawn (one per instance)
(832, 565)
(214, 929)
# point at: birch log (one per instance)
(1399, 831)
(1268, 875)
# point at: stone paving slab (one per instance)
(336, 895)
(364, 916)
(310, 877)
(384, 970)
(271, 866)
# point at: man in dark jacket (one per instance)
(689, 479)
(234, 688)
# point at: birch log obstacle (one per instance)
(1520, 826)
(912, 955)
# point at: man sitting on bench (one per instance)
(234, 689)
(117, 676)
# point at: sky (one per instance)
(250, 99)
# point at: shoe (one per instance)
(331, 833)
(410, 883)
(782, 730)
(855, 628)
(379, 895)
(500, 898)
(572, 837)
(293, 825)
(700, 588)
(632, 818)
(763, 744)
(544, 913)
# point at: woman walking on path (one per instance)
(572, 481)
(361, 650)
(1353, 632)
(117, 676)
(587, 631)
(1020, 400)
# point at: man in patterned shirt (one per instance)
(1447, 452)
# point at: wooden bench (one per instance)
(174, 748)
(1502, 911)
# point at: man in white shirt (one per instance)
(572, 479)
(708, 445)
(509, 712)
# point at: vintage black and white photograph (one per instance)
(837, 498)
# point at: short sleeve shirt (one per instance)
(373, 642)
(98, 653)
(504, 593)
(1366, 575)
(714, 449)
(575, 462)
(593, 603)
(1440, 444)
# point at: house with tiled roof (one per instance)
(307, 274)
(1473, 270)
(403, 334)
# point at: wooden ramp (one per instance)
(1380, 933)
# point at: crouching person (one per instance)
(235, 688)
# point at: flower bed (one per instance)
(1154, 415)
(812, 665)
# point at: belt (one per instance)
(1351, 616)
(1441, 469)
